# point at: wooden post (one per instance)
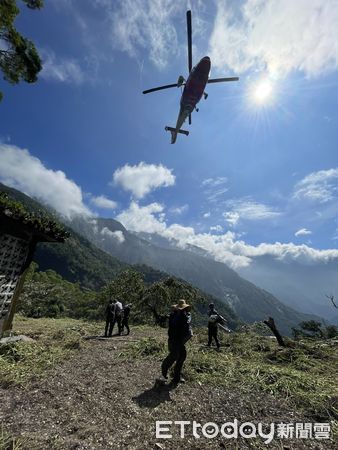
(271, 324)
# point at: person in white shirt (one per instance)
(118, 308)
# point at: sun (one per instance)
(262, 92)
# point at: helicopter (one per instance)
(193, 87)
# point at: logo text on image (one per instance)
(247, 430)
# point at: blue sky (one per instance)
(258, 173)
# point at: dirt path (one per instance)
(96, 401)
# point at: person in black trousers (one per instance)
(125, 318)
(214, 319)
(110, 318)
(179, 333)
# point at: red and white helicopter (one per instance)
(193, 87)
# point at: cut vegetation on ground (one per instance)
(70, 390)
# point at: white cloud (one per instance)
(214, 188)
(224, 247)
(245, 209)
(143, 178)
(303, 232)
(94, 224)
(118, 234)
(320, 186)
(139, 25)
(231, 217)
(103, 202)
(63, 70)
(216, 228)
(23, 171)
(142, 218)
(179, 209)
(213, 182)
(278, 35)
(207, 214)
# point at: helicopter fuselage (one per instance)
(193, 89)
(195, 84)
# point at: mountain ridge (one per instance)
(250, 302)
(109, 242)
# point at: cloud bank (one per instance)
(21, 170)
(278, 35)
(226, 247)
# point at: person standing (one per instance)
(117, 315)
(179, 333)
(109, 313)
(214, 319)
(125, 318)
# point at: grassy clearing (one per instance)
(148, 346)
(304, 372)
(54, 340)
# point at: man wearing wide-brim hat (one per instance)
(179, 333)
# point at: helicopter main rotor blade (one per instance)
(221, 80)
(167, 86)
(189, 119)
(189, 40)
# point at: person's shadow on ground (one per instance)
(152, 397)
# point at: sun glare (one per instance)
(262, 92)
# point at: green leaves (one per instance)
(19, 59)
(39, 222)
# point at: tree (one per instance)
(40, 299)
(156, 301)
(19, 59)
(314, 329)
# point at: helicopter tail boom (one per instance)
(174, 132)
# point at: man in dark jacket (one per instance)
(110, 318)
(125, 318)
(179, 333)
(213, 321)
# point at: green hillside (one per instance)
(76, 266)
(77, 260)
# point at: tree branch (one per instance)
(331, 297)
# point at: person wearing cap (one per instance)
(179, 333)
